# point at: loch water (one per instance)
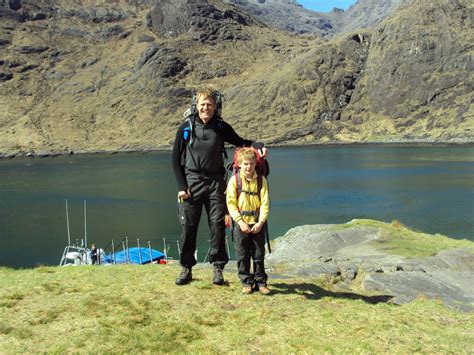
(429, 189)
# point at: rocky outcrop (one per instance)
(350, 252)
(162, 63)
(99, 14)
(205, 21)
(418, 75)
(26, 10)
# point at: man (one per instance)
(198, 164)
(94, 254)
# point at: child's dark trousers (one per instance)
(250, 247)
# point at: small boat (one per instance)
(79, 254)
(134, 255)
(76, 255)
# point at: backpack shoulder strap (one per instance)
(238, 183)
(259, 186)
(219, 126)
(188, 138)
(189, 131)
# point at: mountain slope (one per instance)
(87, 75)
(290, 16)
(369, 13)
(419, 73)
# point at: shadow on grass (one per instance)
(313, 292)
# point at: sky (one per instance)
(326, 5)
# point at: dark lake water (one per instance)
(429, 189)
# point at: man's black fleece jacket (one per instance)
(204, 155)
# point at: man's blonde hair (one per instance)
(246, 154)
(206, 93)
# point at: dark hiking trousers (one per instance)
(247, 247)
(210, 194)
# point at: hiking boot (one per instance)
(264, 290)
(218, 277)
(185, 276)
(247, 289)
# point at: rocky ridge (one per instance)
(291, 16)
(354, 257)
(105, 76)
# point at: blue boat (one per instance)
(134, 255)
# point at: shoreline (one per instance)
(52, 154)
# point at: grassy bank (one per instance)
(138, 308)
(397, 239)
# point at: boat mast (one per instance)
(67, 222)
(85, 224)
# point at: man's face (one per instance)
(206, 108)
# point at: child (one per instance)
(248, 209)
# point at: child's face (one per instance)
(248, 166)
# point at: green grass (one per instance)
(395, 238)
(126, 309)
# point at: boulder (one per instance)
(160, 62)
(341, 252)
(73, 32)
(314, 270)
(407, 286)
(145, 38)
(112, 31)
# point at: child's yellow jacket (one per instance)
(249, 200)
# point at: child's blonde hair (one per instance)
(246, 154)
